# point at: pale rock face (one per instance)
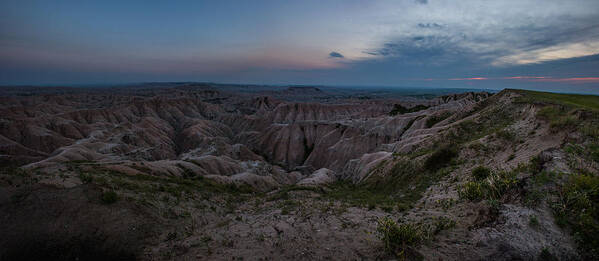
(357, 170)
(320, 177)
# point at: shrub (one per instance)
(493, 187)
(443, 223)
(398, 237)
(86, 178)
(533, 221)
(594, 152)
(440, 158)
(109, 197)
(472, 191)
(480, 173)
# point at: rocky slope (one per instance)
(233, 174)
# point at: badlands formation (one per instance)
(189, 171)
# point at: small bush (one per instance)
(398, 237)
(443, 223)
(594, 152)
(86, 178)
(109, 197)
(472, 191)
(440, 158)
(480, 173)
(533, 221)
(493, 187)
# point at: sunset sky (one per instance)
(536, 44)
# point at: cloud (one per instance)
(430, 25)
(423, 2)
(335, 55)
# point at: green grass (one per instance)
(491, 188)
(578, 209)
(590, 102)
(566, 111)
(397, 238)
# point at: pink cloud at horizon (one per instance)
(573, 80)
(468, 79)
(526, 78)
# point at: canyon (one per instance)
(186, 171)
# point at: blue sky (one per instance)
(535, 44)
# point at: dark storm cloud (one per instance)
(335, 55)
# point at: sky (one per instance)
(535, 44)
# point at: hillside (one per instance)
(196, 172)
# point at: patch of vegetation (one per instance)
(443, 223)
(409, 125)
(288, 205)
(490, 121)
(446, 203)
(566, 110)
(575, 100)
(398, 238)
(534, 197)
(564, 122)
(432, 120)
(440, 158)
(493, 187)
(578, 208)
(400, 189)
(506, 135)
(545, 255)
(479, 173)
(109, 197)
(86, 177)
(398, 109)
(511, 157)
(590, 151)
(533, 221)
(590, 129)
